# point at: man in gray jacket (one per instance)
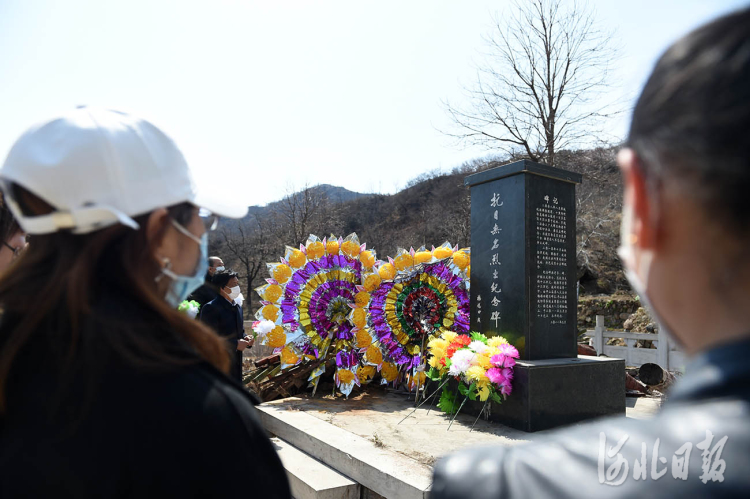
(685, 246)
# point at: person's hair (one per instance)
(8, 224)
(55, 290)
(221, 278)
(692, 121)
(212, 260)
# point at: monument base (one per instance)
(556, 392)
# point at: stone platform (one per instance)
(364, 439)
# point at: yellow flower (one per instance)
(443, 252)
(389, 371)
(484, 393)
(282, 273)
(276, 338)
(345, 376)
(438, 343)
(373, 355)
(332, 247)
(461, 259)
(288, 356)
(449, 336)
(422, 256)
(367, 258)
(270, 312)
(372, 281)
(315, 250)
(403, 261)
(496, 341)
(437, 352)
(359, 317)
(491, 351)
(365, 373)
(484, 361)
(362, 298)
(387, 271)
(435, 362)
(476, 373)
(350, 248)
(272, 293)
(415, 381)
(363, 339)
(297, 259)
(468, 272)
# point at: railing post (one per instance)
(599, 335)
(662, 349)
(630, 344)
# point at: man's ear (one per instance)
(155, 232)
(643, 229)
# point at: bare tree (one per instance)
(542, 88)
(251, 243)
(298, 210)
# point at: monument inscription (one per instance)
(523, 257)
(523, 275)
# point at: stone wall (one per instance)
(616, 309)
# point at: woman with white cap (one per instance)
(105, 388)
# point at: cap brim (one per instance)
(220, 208)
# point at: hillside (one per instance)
(433, 208)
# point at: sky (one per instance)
(265, 97)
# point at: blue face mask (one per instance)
(183, 285)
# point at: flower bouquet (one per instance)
(189, 308)
(482, 366)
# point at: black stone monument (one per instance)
(523, 275)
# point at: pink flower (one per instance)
(508, 373)
(498, 359)
(505, 389)
(508, 350)
(503, 360)
(496, 375)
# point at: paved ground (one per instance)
(377, 415)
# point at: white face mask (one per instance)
(219, 269)
(234, 293)
(637, 272)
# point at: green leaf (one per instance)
(446, 403)
(479, 337)
(473, 391)
(462, 389)
(433, 374)
(496, 397)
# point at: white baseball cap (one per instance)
(97, 168)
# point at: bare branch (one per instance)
(543, 86)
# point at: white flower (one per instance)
(192, 311)
(262, 328)
(478, 346)
(460, 362)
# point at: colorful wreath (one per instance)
(422, 294)
(315, 298)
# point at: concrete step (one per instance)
(311, 479)
(381, 471)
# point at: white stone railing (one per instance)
(665, 354)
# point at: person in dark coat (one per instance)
(685, 239)
(224, 316)
(106, 389)
(208, 291)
